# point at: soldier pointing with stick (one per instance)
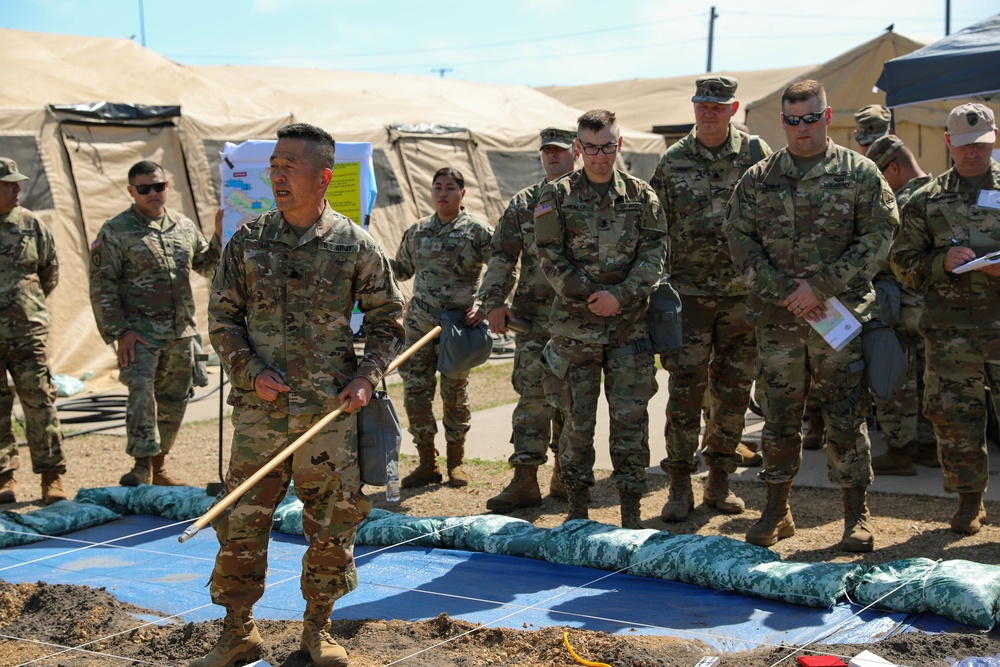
(280, 314)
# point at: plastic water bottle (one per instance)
(392, 482)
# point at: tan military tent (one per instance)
(664, 105)
(849, 80)
(78, 150)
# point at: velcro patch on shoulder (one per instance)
(543, 209)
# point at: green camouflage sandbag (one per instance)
(808, 584)
(63, 517)
(288, 516)
(657, 557)
(386, 529)
(179, 503)
(710, 561)
(115, 498)
(13, 533)
(961, 590)
(498, 534)
(592, 544)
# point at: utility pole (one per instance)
(142, 25)
(441, 70)
(947, 17)
(711, 36)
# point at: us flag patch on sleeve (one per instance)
(542, 209)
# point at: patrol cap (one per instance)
(9, 172)
(883, 149)
(718, 89)
(969, 124)
(872, 122)
(557, 136)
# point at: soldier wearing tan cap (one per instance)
(871, 121)
(908, 435)
(947, 223)
(29, 271)
(536, 425)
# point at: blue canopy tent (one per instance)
(964, 64)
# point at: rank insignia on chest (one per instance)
(542, 209)
(436, 246)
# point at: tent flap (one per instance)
(116, 113)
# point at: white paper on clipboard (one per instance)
(979, 262)
(839, 326)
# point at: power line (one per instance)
(489, 45)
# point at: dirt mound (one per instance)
(48, 619)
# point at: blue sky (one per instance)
(533, 42)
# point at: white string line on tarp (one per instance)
(153, 552)
(296, 577)
(91, 545)
(827, 633)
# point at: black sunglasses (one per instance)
(145, 188)
(809, 118)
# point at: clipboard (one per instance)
(979, 262)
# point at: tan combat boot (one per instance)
(894, 462)
(631, 509)
(579, 504)
(776, 521)
(160, 475)
(751, 457)
(239, 642)
(8, 487)
(316, 639)
(141, 473)
(858, 536)
(556, 488)
(427, 472)
(812, 431)
(456, 473)
(52, 489)
(680, 497)
(719, 495)
(522, 491)
(970, 515)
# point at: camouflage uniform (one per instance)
(139, 281)
(536, 425)
(29, 271)
(446, 261)
(832, 226)
(284, 303)
(960, 321)
(694, 184)
(900, 418)
(587, 244)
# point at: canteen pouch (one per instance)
(199, 370)
(885, 359)
(664, 319)
(889, 301)
(379, 438)
(462, 347)
(555, 382)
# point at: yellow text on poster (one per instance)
(344, 191)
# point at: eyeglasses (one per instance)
(809, 118)
(146, 187)
(882, 169)
(607, 149)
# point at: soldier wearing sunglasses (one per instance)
(812, 221)
(140, 289)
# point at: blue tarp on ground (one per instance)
(411, 584)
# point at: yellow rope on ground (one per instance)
(578, 658)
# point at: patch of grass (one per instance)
(489, 386)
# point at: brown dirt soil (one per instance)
(905, 526)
